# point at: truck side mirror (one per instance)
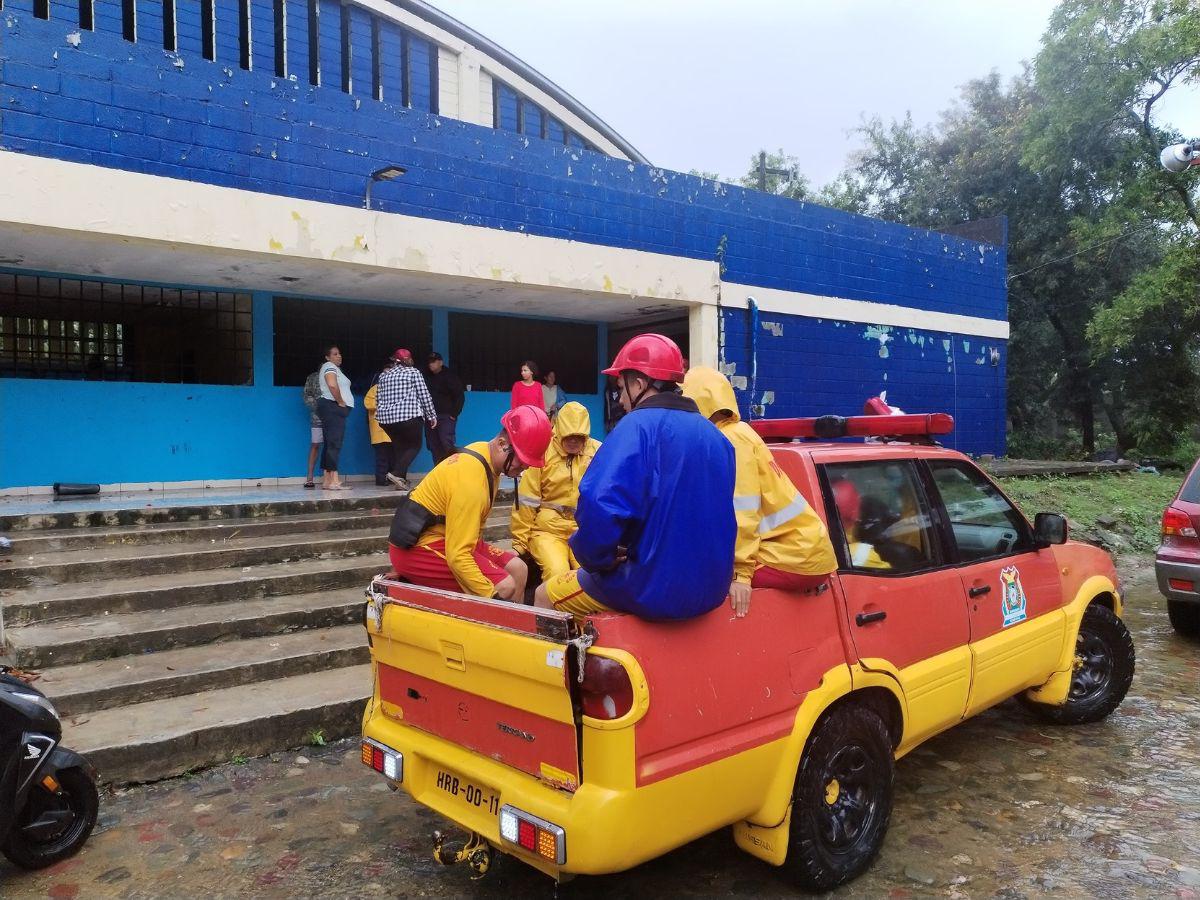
(1049, 528)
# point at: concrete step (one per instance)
(31, 543)
(122, 512)
(70, 567)
(124, 680)
(163, 738)
(203, 507)
(170, 591)
(103, 637)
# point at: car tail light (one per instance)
(606, 690)
(384, 760)
(1177, 523)
(1181, 584)
(539, 837)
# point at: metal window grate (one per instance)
(106, 331)
(366, 333)
(487, 351)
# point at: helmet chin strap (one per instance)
(633, 404)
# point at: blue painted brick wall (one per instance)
(362, 57)
(390, 63)
(228, 46)
(221, 128)
(331, 44)
(188, 30)
(262, 35)
(418, 68)
(297, 40)
(810, 367)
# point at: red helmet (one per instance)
(654, 355)
(848, 500)
(530, 432)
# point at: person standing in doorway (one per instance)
(333, 408)
(312, 395)
(613, 410)
(527, 391)
(403, 402)
(385, 450)
(448, 395)
(552, 396)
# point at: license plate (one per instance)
(469, 793)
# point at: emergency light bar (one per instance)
(827, 427)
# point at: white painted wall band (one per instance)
(772, 300)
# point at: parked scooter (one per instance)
(48, 798)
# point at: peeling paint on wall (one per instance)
(727, 369)
(776, 328)
(739, 382)
(881, 333)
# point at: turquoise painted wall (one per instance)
(112, 432)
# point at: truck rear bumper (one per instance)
(605, 830)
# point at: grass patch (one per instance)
(1135, 501)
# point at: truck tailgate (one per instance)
(489, 676)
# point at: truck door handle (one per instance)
(868, 618)
(980, 591)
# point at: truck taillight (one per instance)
(1177, 523)
(531, 833)
(606, 690)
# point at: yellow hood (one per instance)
(572, 419)
(710, 390)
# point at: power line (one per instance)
(1012, 278)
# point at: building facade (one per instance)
(195, 197)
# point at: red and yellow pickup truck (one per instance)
(590, 747)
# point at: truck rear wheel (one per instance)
(1185, 617)
(842, 800)
(1103, 670)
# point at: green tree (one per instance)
(1105, 69)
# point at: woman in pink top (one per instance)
(527, 391)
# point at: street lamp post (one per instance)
(387, 173)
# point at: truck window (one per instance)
(984, 523)
(882, 525)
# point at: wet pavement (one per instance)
(1001, 806)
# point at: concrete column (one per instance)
(263, 315)
(468, 86)
(703, 331)
(440, 336)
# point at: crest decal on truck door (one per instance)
(1012, 596)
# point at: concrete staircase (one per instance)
(181, 637)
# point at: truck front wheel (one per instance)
(1102, 671)
(842, 800)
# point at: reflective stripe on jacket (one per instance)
(547, 497)
(776, 525)
(457, 488)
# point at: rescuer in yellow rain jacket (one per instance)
(781, 541)
(436, 535)
(544, 517)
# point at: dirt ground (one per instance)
(1001, 806)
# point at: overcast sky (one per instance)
(702, 84)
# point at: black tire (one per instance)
(1104, 664)
(842, 800)
(1185, 617)
(78, 794)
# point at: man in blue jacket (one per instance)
(656, 523)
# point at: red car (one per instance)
(1177, 562)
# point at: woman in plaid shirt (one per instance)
(403, 401)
